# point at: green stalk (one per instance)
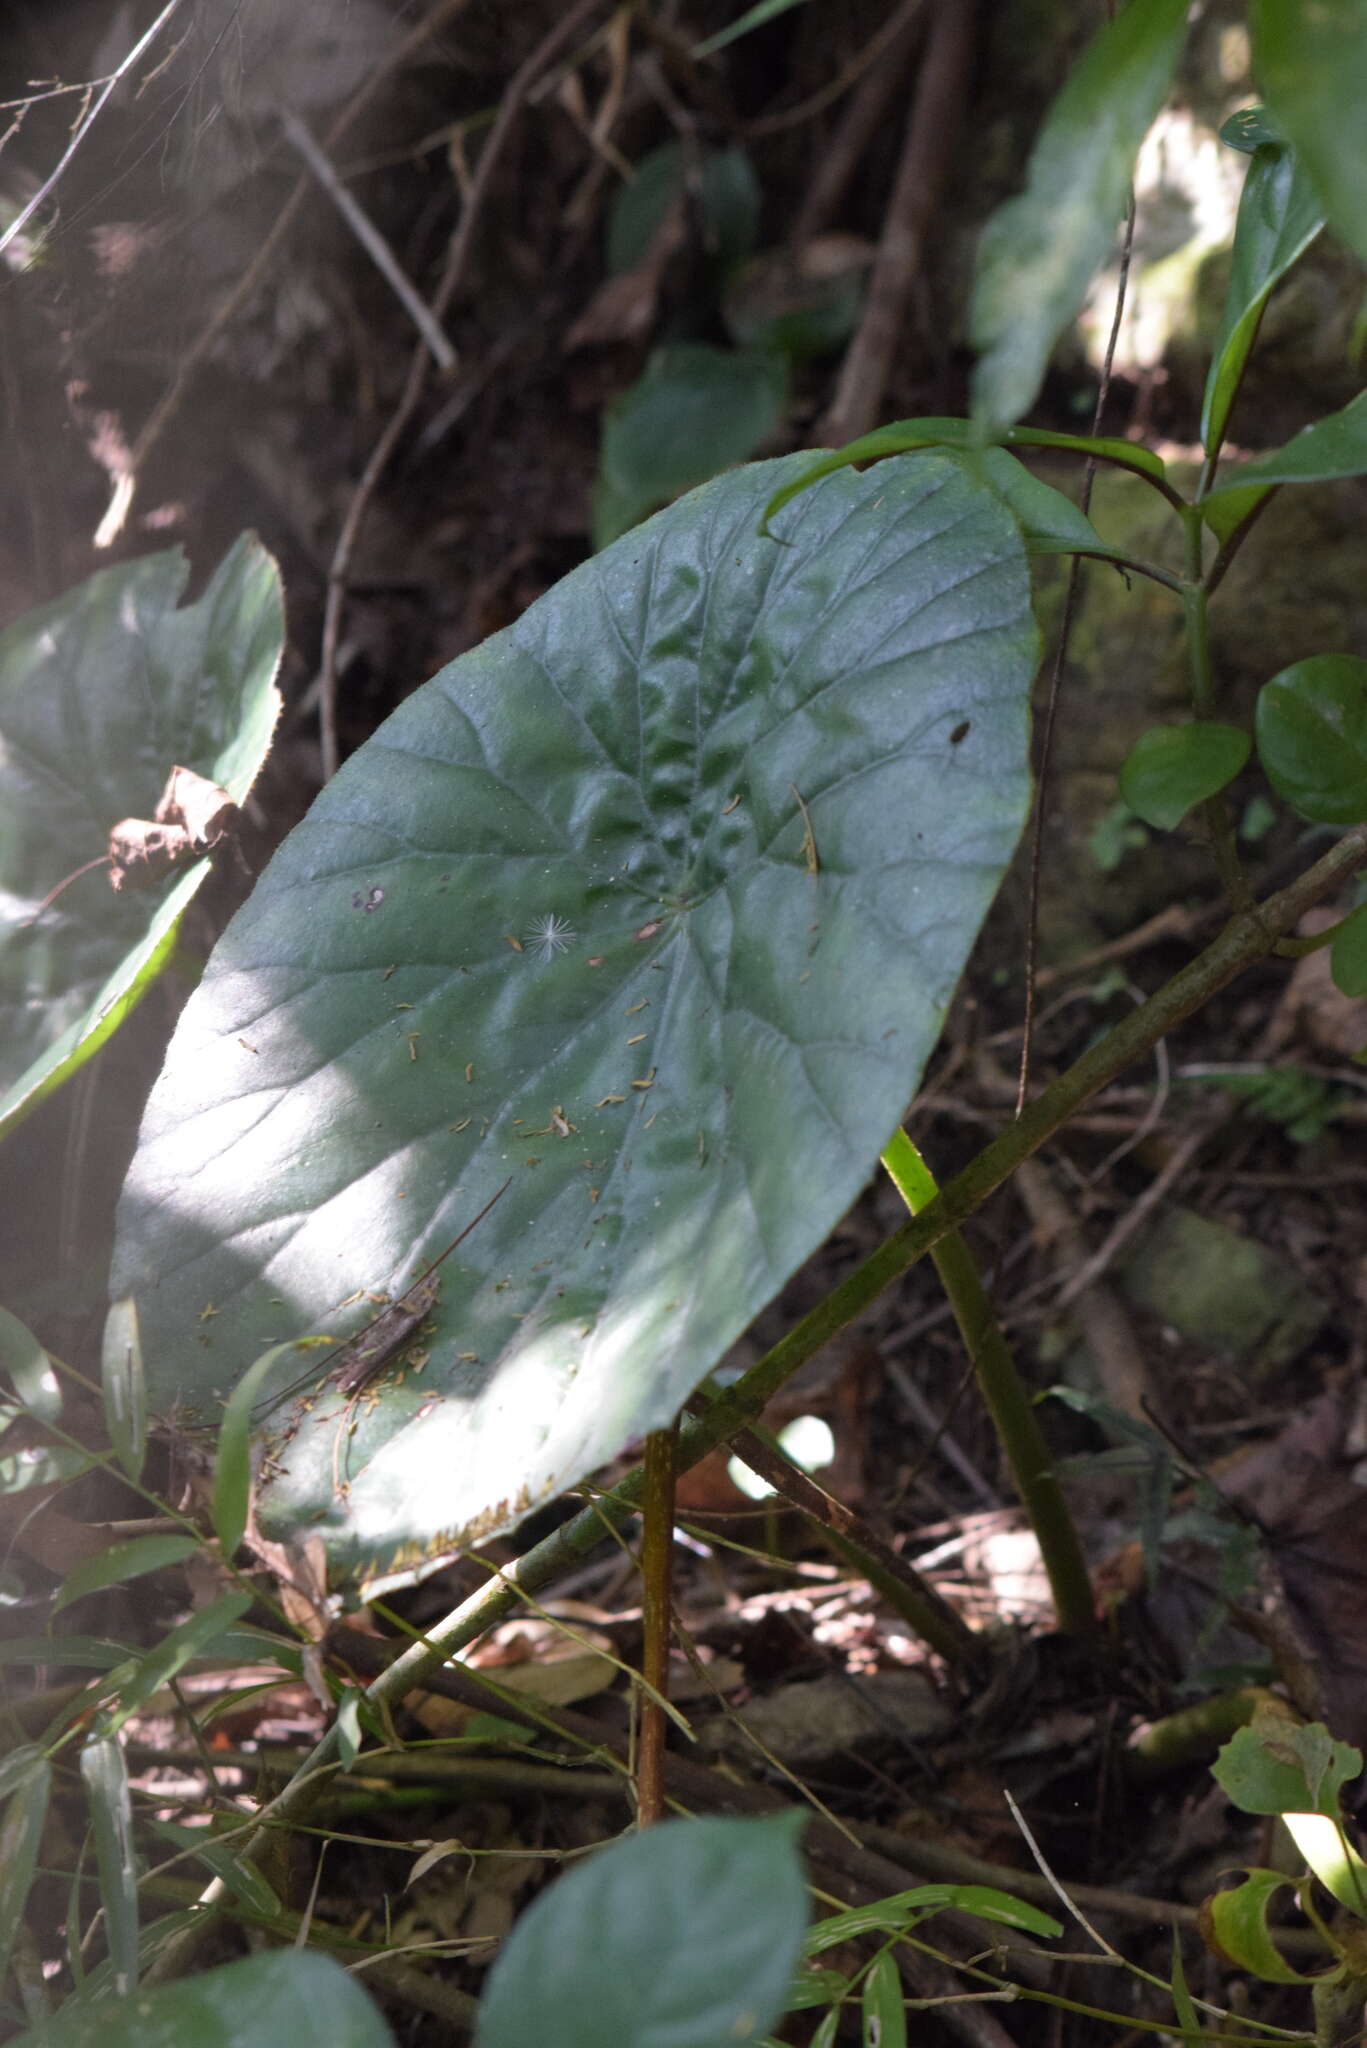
(1008, 1401)
(1215, 811)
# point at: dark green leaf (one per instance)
(102, 693)
(1348, 954)
(1050, 522)
(1311, 725)
(17, 1765)
(105, 1774)
(1039, 252)
(1228, 509)
(29, 1368)
(902, 436)
(727, 196)
(884, 2015)
(1237, 1922)
(687, 1933)
(815, 1987)
(1333, 447)
(124, 1385)
(121, 1562)
(286, 1998)
(20, 1834)
(1171, 768)
(194, 1638)
(1249, 129)
(904, 1909)
(696, 410)
(1279, 217)
(626, 761)
(1311, 62)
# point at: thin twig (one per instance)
(1065, 634)
(369, 237)
(85, 124)
(657, 1559)
(842, 154)
(456, 258)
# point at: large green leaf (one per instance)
(1041, 250)
(102, 693)
(1312, 63)
(683, 1937)
(285, 1998)
(1279, 217)
(561, 923)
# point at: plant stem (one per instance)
(1247, 938)
(1008, 1401)
(1215, 812)
(657, 1556)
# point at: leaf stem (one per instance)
(657, 1556)
(1008, 1401)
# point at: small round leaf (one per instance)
(1312, 737)
(1171, 768)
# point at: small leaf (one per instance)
(1333, 447)
(1311, 62)
(1348, 953)
(20, 1835)
(884, 2014)
(349, 1725)
(232, 1462)
(902, 1910)
(1050, 522)
(1279, 217)
(29, 1368)
(728, 200)
(1249, 129)
(121, 1562)
(688, 1932)
(1183, 2004)
(284, 1998)
(63, 1652)
(1228, 509)
(694, 412)
(815, 1987)
(826, 2033)
(125, 1389)
(194, 1638)
(105, 1774)
(1311, 725)
(1171, 768)
(1039, 252)
(1234, 1924)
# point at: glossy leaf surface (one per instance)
(1171, 768)
(1040, 251)
(683, 1937)
(1311, 60)
(1279, 217)
(654, 904)
(284, 1998)
(102, 693)
(1311, 726)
